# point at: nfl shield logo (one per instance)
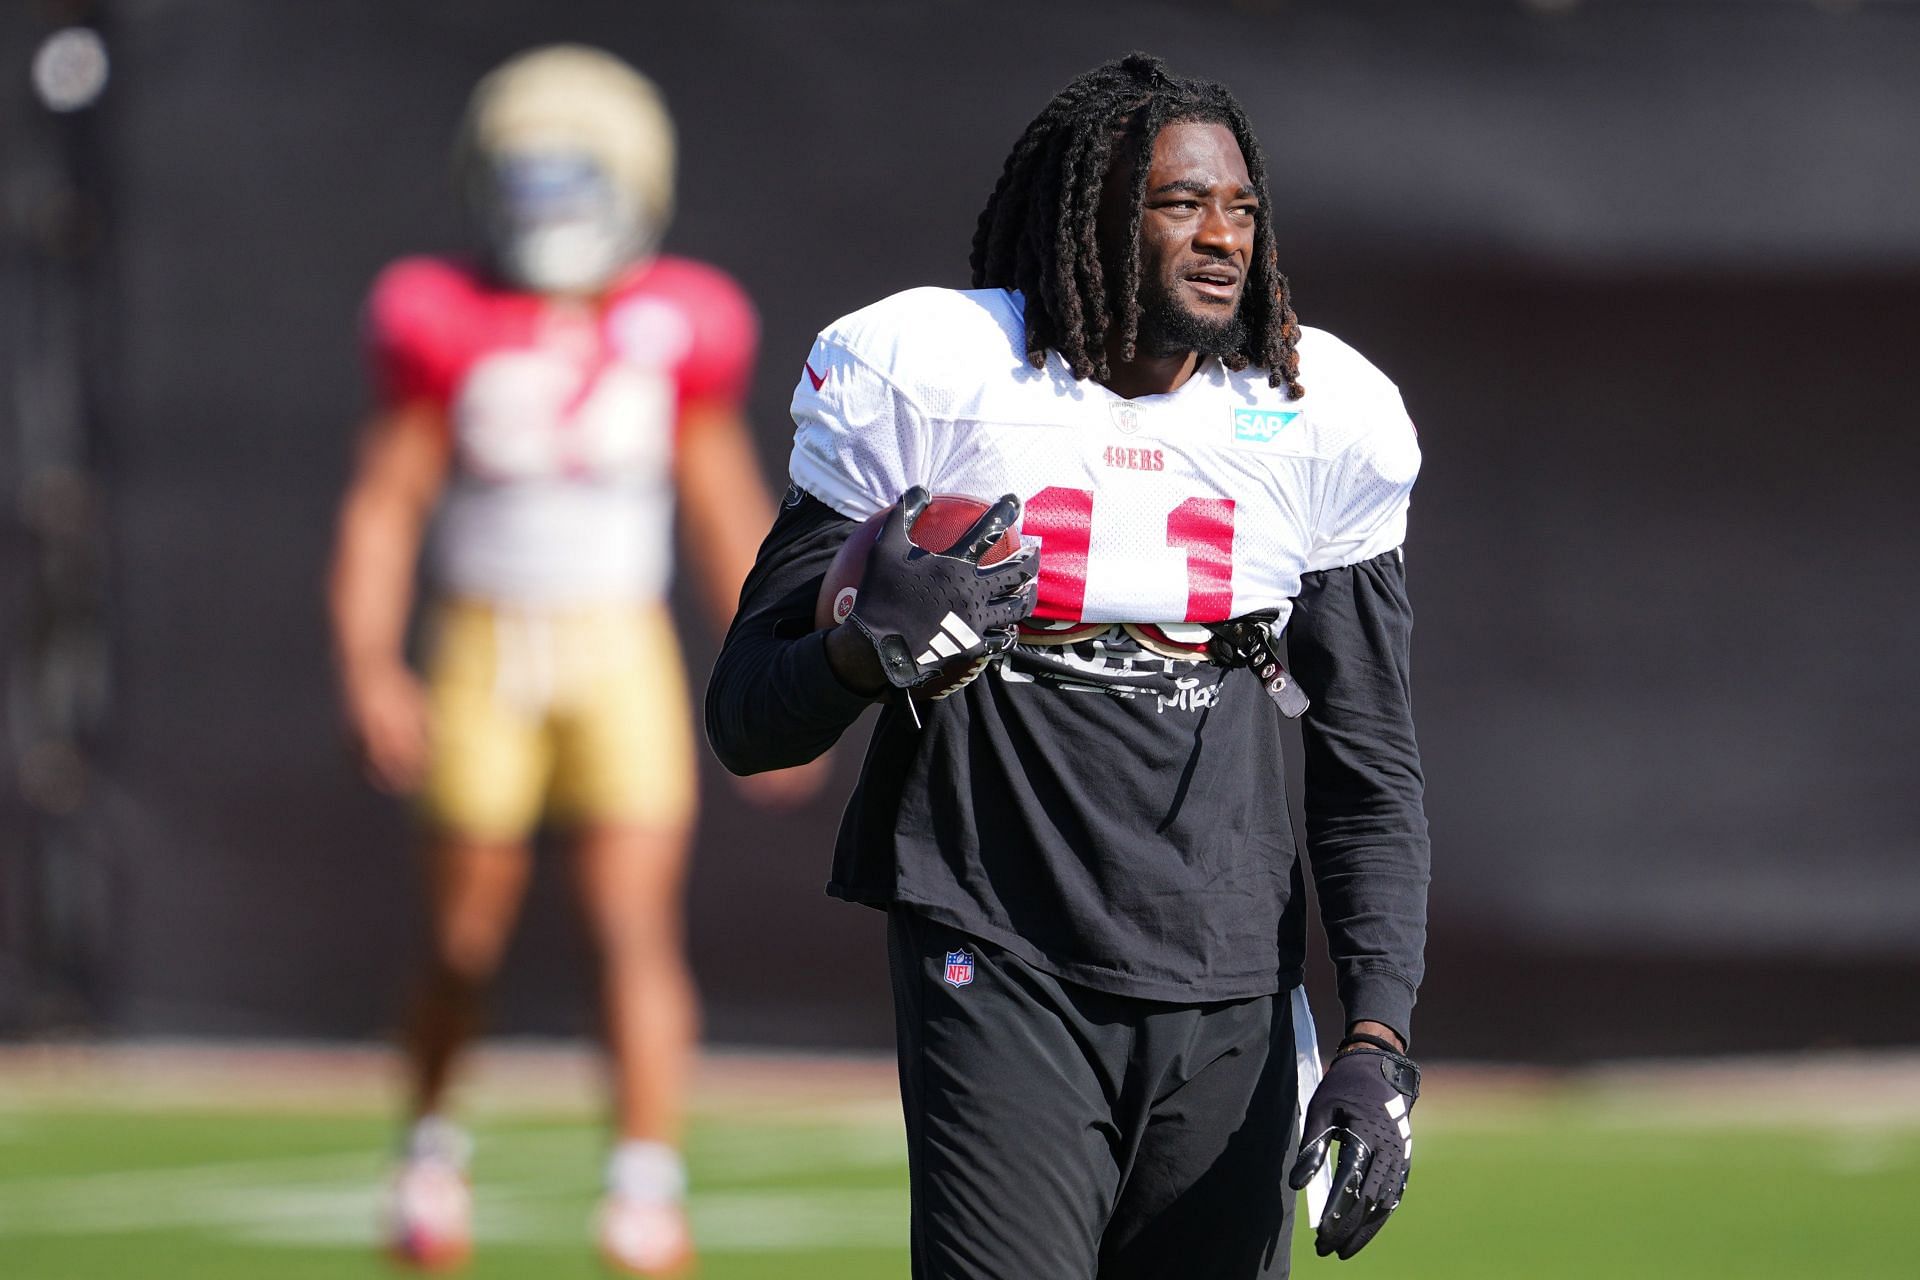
(959, 968)
(1126, 416)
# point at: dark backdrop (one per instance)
(1648, 276)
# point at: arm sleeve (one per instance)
(1347, 643)
(773, 700)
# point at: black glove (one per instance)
(1362, 1103)
(927, 613)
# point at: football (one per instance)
(946, 518)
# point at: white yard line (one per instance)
(334, 1198)
(345, 1212)
(723, 1222)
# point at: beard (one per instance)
(1168, 328)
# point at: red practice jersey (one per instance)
(564, 416)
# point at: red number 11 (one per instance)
(1063, 520)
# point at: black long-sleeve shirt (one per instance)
(1108, 815)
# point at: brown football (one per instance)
(946, 518)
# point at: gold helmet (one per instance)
(566, 158)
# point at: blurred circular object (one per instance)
(70, 69)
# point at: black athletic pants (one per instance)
(1060, 1133)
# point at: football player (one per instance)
(1095, 910)
(550, 404)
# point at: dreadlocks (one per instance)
(1038, 231)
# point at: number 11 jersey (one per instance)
(1102, 802)
(1198, 505)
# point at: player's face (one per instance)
(555, 222)
(1196, 240)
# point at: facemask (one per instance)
(555, 223)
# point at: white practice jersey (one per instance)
(1206, 503)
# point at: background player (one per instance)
(1086, 854)
(550, 400)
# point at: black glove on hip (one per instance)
(1362, 1103)
(926, 612)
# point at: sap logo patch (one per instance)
(1261, 426)
(959, 968)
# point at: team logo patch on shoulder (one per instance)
(1261, 426)
(959, 968)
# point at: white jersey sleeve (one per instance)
(1362, 511)
(859, 441)
(889, 391)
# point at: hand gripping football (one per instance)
(941, 528)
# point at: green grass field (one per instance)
(1560, 1181)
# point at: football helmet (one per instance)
(566, 160)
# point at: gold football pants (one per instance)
(579, 714)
